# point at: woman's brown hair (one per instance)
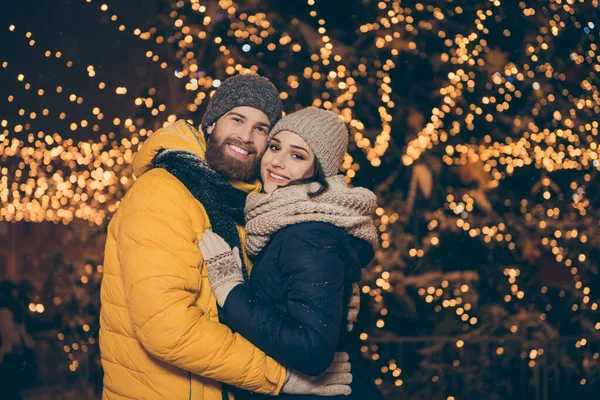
(318, 176)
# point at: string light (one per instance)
(54, 190)
(557, 132)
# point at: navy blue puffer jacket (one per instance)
(295, 307)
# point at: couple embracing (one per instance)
(231, 265)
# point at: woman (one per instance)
(310, 236)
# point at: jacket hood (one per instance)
(364, 250)
(358, 255)
(179, 136)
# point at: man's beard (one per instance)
(225, 164)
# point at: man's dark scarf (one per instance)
(223, 203)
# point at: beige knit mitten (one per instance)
(333, 382)
(224, 265)
(353, 307)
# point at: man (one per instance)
(160, 336)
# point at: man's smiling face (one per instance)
(236, 143)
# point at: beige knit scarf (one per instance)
(348, 208)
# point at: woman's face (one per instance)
(288, 158)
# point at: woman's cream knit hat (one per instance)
(323, 130)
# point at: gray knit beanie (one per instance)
(323, 130)
(243, 91)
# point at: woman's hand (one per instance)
(224, 265)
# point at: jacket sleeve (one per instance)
(154, 241)
(305, 337)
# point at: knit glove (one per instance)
(333, 382)
(353, 307)
(224, 265)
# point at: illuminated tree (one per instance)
(490, 236)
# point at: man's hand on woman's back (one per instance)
(353, 307)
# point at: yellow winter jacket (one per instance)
(160, 337)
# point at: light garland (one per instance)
(52, 176)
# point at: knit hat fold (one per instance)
(249, 90)
(323, 130)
